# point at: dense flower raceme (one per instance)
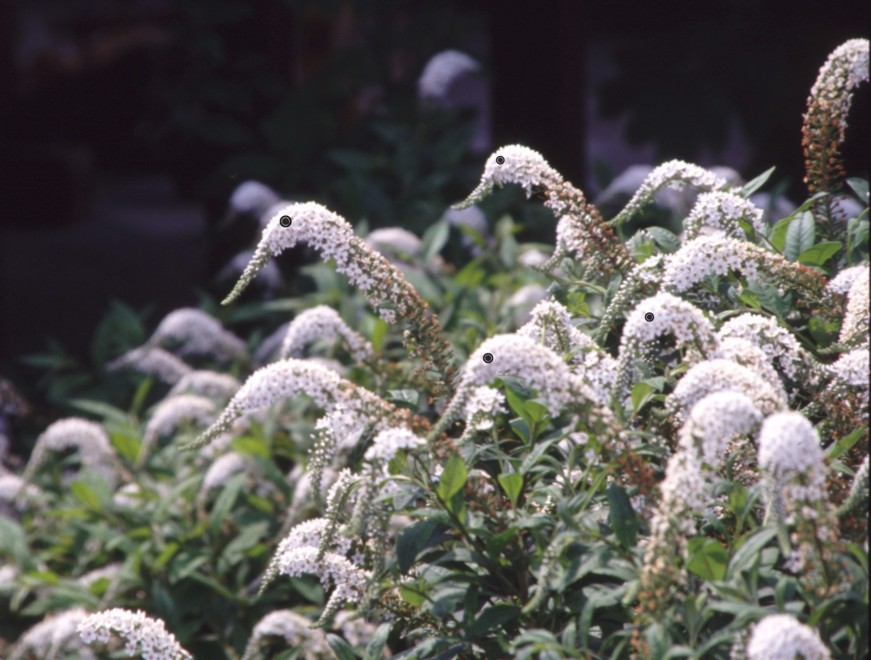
(380, 281)
(825, 121)
(192, 332)
(642, 281)
(291, 378)
(54, 638)
(843, 281)
(142, 634)
(211, 384)
(551, 325)
(855, 327)
(322, 322)
(675, 174)
(580, 230)
(151, 361)
(782, 637)
(850, 374)
(441, 71)
(484, 403)
(747, 354)
(87, 438)
(720, 211)
(172, 412)
(670, 316)
(296, 631)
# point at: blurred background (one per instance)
(126, 125)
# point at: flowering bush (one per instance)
(664, 455)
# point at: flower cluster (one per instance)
(296, 631)
(211, 384)
(222, 469)
(721, 211)
(675, 174)
(54, 637)
(441, 71)
(88, 438)
(642, 281)
(192, 332)
(173, 411)
(152, 362)
(390, 442)
(747, 354)
(782, 637)
(854, 329)
(322, 322)
(483, 405)
(843, 281)
(254, 198)
(142, 634)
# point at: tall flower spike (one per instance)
(674, 174)
(380, 281)
(289, 379)
(854, 329)
(152, 362)
(825, 121)
(782, 637)
(580, 229)
(722, 211)
(142, 634)
(192, 332)
(323, 322)
(88, 438)
(170, 413)
(670, 316)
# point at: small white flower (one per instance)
(88, 438)
(441, 71)
(152, 361)
(332, 569)
(513, 164)
(222, 469)
(216, 386)
(747, 354)
(323, 323)
(54, 637)
(856, 318)
(396, 242)
(483, 405)
(782, 637)
(390, 442)
(721, 211)
(843, 281)
(142, 634)
(192, 332)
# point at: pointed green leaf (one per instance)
(755, 184)
(820, 253)
(707, 558)
(799, 236)
(453, 477)
(512, 484)
(624, 522)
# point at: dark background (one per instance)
(125, 125)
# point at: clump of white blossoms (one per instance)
(172, 412)
(484, 403)
(850, 374)
(211, 384)
(747, 354)
(783, 637)
(87, 438)
(54, 637)
(152, 361)
(390, 442)
(642, 281)
(854, 329)
(668, 316)
(580, 229)
(192, 332)
(322, 322)
(441, 71)
(381, 282)
(843, 281)
(296, 631)
(714, 421)
(844, 70)
(253, 198)
(142, 634)
(222, 469)
(721, 211)
(674, 174)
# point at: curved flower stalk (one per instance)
(747, 354)
(296, 631)
(210, 384)
(782, 637)
(380, 281)
(703, 441)
(825, 121)
(721, 211)
(854, 329)
(441, 71)
(192, 332)
(291, 378)
(642, 281)
(781, 347)
(142, 635)
(472, 218)
(674, 174)
(323, 322)
(794, 471)
(170, 413)
(152, 362)
(54, 638)
(719, 255)
(580, 229)
(88, 438)
(551, 324)
(671, 316)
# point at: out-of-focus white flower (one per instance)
(674, 174)
(714, 420)
(483, 405)
(295, 629)
(173, 411)
(782, 637)
(356, 630)
(253, 198)
(323, 322)
(216, 386)
(843, 281)
(791, 456)
(400, 246)
(473, 218)
(269, 277)
(152, 361)
(15, 493)
(222, 469)
(856, 318)
(192, 332)
(441, 71)
(747, 354)
(53, 638)
(713, 376)
(390, 442)
(271, 346)
(523, 300)
(721, 211)
(142, 634)
(88, 438)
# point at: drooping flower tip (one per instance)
(142, 634)
(514, 163)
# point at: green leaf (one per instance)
(14, 542)
(127, 445)
(412, 540)
(249, 446)
(846, 443)
(641, 394)
(820, 253)
(225, 501)
(405, 398)
(750, 549)
(492, 617)
(340, 647)
(101, 409)
(85, 494)
(667, 241)
(707, 558)
(379, 334)
(799, 236)
(521, 428)
(860, 187)
(777, 234)
(622, 516)
(375, 648)
(512, 484)
(434, 240)
(453, 478)
(755, 184)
